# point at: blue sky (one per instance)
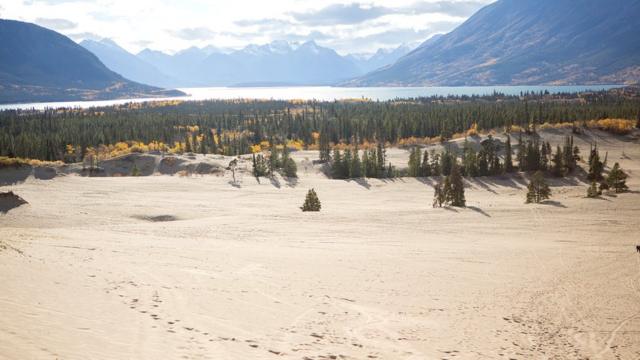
(347, 26)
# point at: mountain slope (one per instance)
(526, 42)
(37, 64)
(127, 64)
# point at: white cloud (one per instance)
(347, 25)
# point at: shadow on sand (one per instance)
(478, 210)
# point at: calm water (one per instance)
(325, 93)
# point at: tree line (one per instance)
(232, 127)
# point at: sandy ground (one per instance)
(169, 267)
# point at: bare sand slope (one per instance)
(192, 267)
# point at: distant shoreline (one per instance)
(320, 93)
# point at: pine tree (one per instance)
(425, 169)
(311, 202)
(415, 162)
(324, 147)
(382, 158)
(455, 192)
(568, 158)
(135, 171)
(617, 179)
(187, 144)
(439, 196)
(435, 164)
(356, 165)
(538, 190)
(592, 191)
(289, 168)
(337, 166)
(365, 164)
(558, 164)
(508, 160)
(544, 156)
(347, 162)
(274, 158)
(259, 166)
(446, 162)
(596, 167)
(520, 155)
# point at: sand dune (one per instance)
(193, 267)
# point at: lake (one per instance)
(322, 93)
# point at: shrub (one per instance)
(593, 191)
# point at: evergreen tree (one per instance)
(617, 179)
(259, 166)
(435, 164)
(470, 161)
(568, 158)
(365, 164)
(187, 144)
(311, 202)
(415, 162)
(347, 162)
(508, 160)
(425, 169)
(483, 163)
(356, 165)
(455, 191)
(135, 171)
(558, 164)
(544, 157)
(274, 158)
(439, 197)
(337, 166)
(596, 167)
(446, 162)
(324, 147)
(289, 167)
(538, 190)
(520, 155)
(382, 157)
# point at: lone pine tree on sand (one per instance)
(311, 202)
(538, 190)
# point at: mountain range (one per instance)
(509, 42)
(37, 64)
(275, 63)
(527, 42)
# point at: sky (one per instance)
(170, 25)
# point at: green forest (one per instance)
(233, 127)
